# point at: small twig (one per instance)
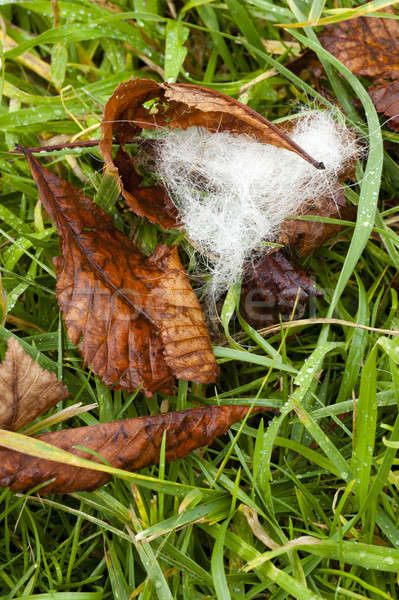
(261, 77)
(83, 144)
(22, 324)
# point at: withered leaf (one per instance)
(130, 444)
(308, 236)
(385, 96)
(271, 289)
(145, 104)
(136, 319)
(367, 45)
(26, 390)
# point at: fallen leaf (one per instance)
(307, 236)
(145, 104)
(159, 208)
(136, 319)
(26, 390)
(385, 96)
(272, 288)
(367, 45)
(130, 444)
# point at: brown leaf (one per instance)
(271, 290)
(370, 46)
(174, 105)
(271, 287)
(305, 64)
(130, 444)
(308, 236)
(136, 319)
(366, 45)
(385, 97)
(26, 390)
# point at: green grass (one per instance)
(301, 506)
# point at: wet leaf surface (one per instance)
(26, 389)
(272, 288)
(137, 320)
(385, 96)
(367, 45)
(370, 47)
(130, 444)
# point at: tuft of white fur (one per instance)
(233, 192)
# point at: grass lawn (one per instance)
(302, 505)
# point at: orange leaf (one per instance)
(137, 320)
(370, 46)
(130, 444)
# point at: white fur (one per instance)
(233, 192)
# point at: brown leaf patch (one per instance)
(385, 97)
(26, 390)
(158, 207)
(137, 320)
(367, 45)
(272, 289)
(173, 105)
(130, 444)
(308, 236)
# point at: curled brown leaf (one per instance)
(130, 444)
(26, 390)
(273, 287)
(137, 320)
(145, 104)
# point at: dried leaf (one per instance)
(271, 287)
(26, 390)
(307, 236)
(138, 320)
(385, 96)
(145, 104)
(271, 290)
(130, 444)
(370, 46)
(366, 45)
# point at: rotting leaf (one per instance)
(136, 319)
(308, 236)
(26, 390)
(385, 96)
(272, 288)
(369, 46)
(140, 104)
(130, 444)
